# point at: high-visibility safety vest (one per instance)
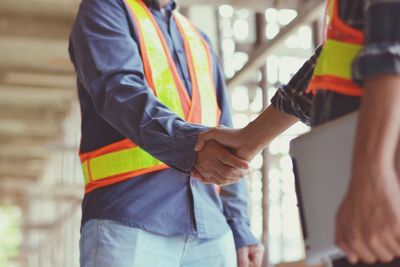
(333, 70)
(124, 160)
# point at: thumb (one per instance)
(202, 140)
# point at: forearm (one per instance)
(267, 127)
(378, 129)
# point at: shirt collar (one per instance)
(155, 4)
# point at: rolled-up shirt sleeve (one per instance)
(108, 65)
(381, 52)
(292, 98)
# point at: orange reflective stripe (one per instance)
(333, 69)
(119, 145)
(201, 71)
(335, 84)
(340, 31)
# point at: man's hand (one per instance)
(236, 139)
(368, 221)
(250, 256)
(215, 164)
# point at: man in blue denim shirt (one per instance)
(165, 218)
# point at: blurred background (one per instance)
(261, 44)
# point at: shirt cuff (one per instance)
(242, 234)
(376, 59)
(298, 105)
(184, 141)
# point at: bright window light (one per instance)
(241, 29)
(240, 120)
(226, 11)
(271, 15)
(285, 16)
(228, 46)
(271, 30)
(305, 37)
(240, 98)
(292, 42)
(239, 59)
(272, 69)
(243, 13)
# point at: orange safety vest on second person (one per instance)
(124, 160)
(333, 70)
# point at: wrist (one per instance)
(252, 143)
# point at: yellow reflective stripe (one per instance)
(336, 59)
(164, 83)
(199, 53)
(119, 162)
(85, 172)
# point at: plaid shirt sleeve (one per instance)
(292, 98)
(381, 53)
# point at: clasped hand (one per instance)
(222, 156)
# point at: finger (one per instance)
(204, 174)
(361, 250)
(219, 179)
(242, 257)
(203, 139)
(340, 241)
(386, 248)
(195, 173)
(229, 172)
(380, 250)
(392, 243)
(231, 160)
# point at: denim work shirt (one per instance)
(379, 20)
(116, 103)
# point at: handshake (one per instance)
(223, 155)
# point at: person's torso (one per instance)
(329, 105)
(167, 202)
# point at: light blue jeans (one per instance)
(106, 243)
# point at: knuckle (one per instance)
(372, 241)
(387, 258)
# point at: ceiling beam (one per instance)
(66, 9)
(12, 127)
(24, 78)
(311, 11)
(34, 54)
(22, 141)
(20, 171)
(26, 150)
(58, 8)
(50, 27)
(33, 113)
(34, 96)
(31, 189)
